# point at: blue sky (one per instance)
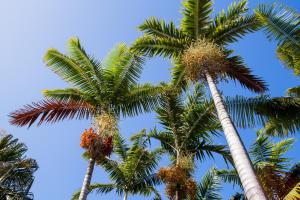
(29, 28)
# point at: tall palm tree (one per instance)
(16, 171)
(282, 24)
(132, 173)
(200, 51)
(271, 167)
(188, 130)
(100, 91)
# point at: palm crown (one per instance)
(188, 126)
(165, 39)
(97, 88)
(16, 171)
(133, 172)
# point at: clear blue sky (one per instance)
(29, 28)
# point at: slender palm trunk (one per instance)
(243, 165)
(125, 196)
(87, 180)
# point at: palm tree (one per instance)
(209, 187)
(188, 131)
(271, 167)
(132, 173)
(200, 51)
(16, 171)
(102, 92)
(282, 24)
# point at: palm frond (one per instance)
(209, 187)
(235, 69)
(141, 98)
(235, 11)
(159, 28)
(99, 188)
(166, 47)
(250, 112)
(50, 111)
(281, 24)
(294, 194)
(120, 147)
(90, 66)
(70, 71)
(68, 94)
(229, 176)
(235, 29)
(294, 92)
(196, 17)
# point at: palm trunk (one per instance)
(177, 163)
(87, 180)
(125, 195)
(243, 165)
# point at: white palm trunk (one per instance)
(243, 165)
(87, 180)
(125, 195)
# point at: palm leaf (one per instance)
(209, 187)
(166, 47)
(235, 69)
(160, 29)
(196, 17)
(294, 194)
(50, 111)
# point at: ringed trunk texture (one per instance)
(87, 180)
(243, 165)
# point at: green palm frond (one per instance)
(235, 11)
(282, 112)
(69, 94)
(235, 29)
(70, 71)
(294, 92)
(207, 149)
(209, 187)
(120, 147)
(290, 58)
(196, 17)
(99, 188)
(229, 176)
(281, 24)
(294, 194)
(16, 171)
(159, 28)
(141, 98)
(90, 66)
(166, 47)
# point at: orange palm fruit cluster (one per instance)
(88, 138)
(97, 146)
(177, 179)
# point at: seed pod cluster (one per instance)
(201, 57)
(98, 147)
(177, 180)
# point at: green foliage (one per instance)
(271, 166)
(209, 187)
(282, 24)
(279, 116)
(16, 171)
(133, 173)
(162, 39)
(95, 88)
